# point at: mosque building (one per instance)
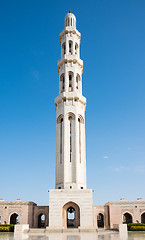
(71, 203)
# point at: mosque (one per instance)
(71, 203)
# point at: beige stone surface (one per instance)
(70, 134)
(28, 212)
(58, 199)
(118, 208)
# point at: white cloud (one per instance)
(105, 157)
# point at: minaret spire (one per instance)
(70, 110)
(70, 195)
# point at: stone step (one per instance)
(70, 230)
(37, 230)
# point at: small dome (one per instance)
(70, 20)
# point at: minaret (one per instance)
(70, 108)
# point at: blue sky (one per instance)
(113, 51)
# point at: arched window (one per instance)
(60, 121)
(70, 47)
(70, 81)
(70, 132)
(79, 139)
(71, 21)
(80, 121)
(62, 83)
(71, 117)
(77, 81)
(61, 140)
(76, 48)
(63, 49)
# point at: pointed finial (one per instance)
(70, 11)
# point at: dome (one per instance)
(70, 20)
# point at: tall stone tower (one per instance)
(70, 195)
(70, 108)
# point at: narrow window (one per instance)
(61, 122)
(70, 80)
(70, 122)
(71, 21)
(70, 45)
(76, 48)
(77, 81)
(79, 138)
(63, 83)
(68, 21)
(0, 220)
(64, 49)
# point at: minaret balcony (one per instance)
(69, 30)
(70, 96)
(72, 58)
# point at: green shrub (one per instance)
(136, 226)
(7, 228)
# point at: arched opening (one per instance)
(70, 123)
(70, 81)
(63, 49)
(127, 218)
(62, 83)
(14, 219)
(71, 215)
(70, 47)
(100, 220)
(76, 48)
(143, 218)
(41, 220)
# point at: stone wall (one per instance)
(58, 199)
(28, 212)
(117, 210)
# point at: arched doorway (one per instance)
(127, 218)
(41, 220)
(143, 218)
(71, 215)
(100, 220)
(14, 219)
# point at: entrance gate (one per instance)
(71, 215)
